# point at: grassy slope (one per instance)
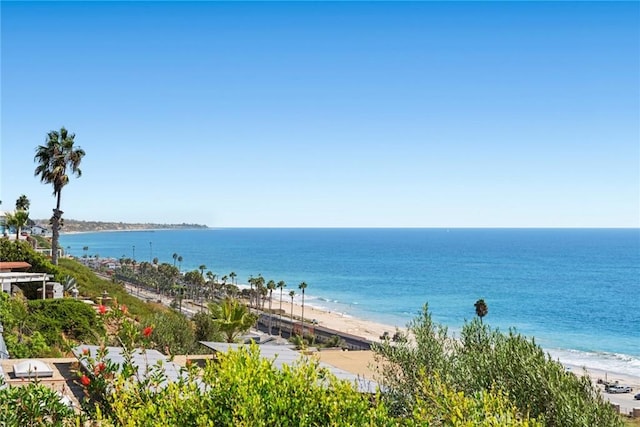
(92, 287)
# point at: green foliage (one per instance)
(241, 389)
(534, 382)
(23, 340)
(55, 317)
(33, 405)
(28, 346)
(205, 328)
(439, 405)
(487, 361)
(231, 318)
(172, 333)
(93, 286)
(12, 250)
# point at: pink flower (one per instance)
(102, 309)
(85, 380)
(123, 309)
(147, 331)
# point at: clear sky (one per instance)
(363, 114)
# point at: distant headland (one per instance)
(76, 226)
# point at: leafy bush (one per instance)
(33, 405)
(172, 333)
(486, 360)
(73, 318)
(241, 389)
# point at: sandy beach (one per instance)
(338, 321)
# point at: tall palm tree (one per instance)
(85, 249)
(202, 268)
(251, 281)
(261, 291)
(233, 277)
(210, 277)
(481, 309)
(179, 262)
(23, 203)
(280, 285)
(53, 159)
(175, 257)
(292, 294)
(302, 286)
(231, 318)
(271, 285)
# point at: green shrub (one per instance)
(172, 333)
(33, 405)
(486, 360)
(55, 317)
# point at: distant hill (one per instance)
(72, 225)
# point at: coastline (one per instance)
(373, 330)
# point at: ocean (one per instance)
(577, 291)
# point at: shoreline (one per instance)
(372, 331)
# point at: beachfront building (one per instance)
(37, 230)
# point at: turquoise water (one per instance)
(577, 291)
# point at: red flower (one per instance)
(147, 331)
(99, 368)
(85, 380)
(123, 309)
(85, 351)
(102, 309)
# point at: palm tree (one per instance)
(202, 268)
(175, 257)
(53, 160)
(18, 219)
(85, 249)
(481, 309)
(23, 203)
(271, 285)
(302, 286)
(179, 262)
(233, 277)
(251, 283)
(231, 318)
(292, 294)
(280, 285)
(261, 291)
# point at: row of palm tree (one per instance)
(178, 258)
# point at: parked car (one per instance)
(637, 396)
(619, 389)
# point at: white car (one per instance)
(619, 389)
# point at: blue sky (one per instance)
(363, 114)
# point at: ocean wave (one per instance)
(611, 362)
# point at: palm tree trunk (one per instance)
(280, 316)
(303, 314)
